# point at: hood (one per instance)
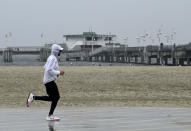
(55, 49)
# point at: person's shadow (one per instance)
(51, 125)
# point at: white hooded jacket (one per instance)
(51, 68)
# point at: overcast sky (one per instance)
(27, 19)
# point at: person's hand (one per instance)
(61, 73)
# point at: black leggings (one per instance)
(53, 95)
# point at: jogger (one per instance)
(51, 72)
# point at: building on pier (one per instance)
(88, 40)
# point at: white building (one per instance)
(88, 39)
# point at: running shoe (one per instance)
(30, 99)
(52, 118)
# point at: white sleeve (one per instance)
(50, 67)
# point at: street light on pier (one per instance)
(126, 45)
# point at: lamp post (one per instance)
(126, 44)
(7, 36)
(92, 39)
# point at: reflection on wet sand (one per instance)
(51, 125)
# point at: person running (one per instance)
(51, 72)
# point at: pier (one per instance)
(148, 55)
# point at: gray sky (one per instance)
(27, 19)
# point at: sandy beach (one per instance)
(101, 86)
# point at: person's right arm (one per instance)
(51, 68)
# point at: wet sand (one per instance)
(97, 119)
